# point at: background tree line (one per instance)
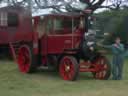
(113, 22)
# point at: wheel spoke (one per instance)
(24, 59)
(67, 66)
(102, 68)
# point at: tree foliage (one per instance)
(115, 23)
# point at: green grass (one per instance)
(14, 83)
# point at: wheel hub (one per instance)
(67, 68)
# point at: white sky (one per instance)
(104, 4)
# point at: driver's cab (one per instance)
(58, 24)
(58, 32)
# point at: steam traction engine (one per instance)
(57, 41)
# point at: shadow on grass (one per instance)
(42, 74)
(55, 75)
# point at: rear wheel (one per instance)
(69, 68)
(26, 60)
(104, 69)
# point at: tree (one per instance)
(69, 5)
(57, 4)
(113, 22)
(115, 4)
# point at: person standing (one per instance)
(118, 58)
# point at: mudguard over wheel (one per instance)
(68, 68)
(104, 68)
(26, 60)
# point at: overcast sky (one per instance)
(47, 10)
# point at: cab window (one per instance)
(8, 19)
(41, 27)
(13, 20)
(49, 26)
(62, 25)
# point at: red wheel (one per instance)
(69, 68)
(25, 59)
(104, 69)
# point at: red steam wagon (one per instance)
(56, 41)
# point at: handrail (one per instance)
(13, 51)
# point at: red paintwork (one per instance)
(101, 67)
(67, 69)
(15, 34)
(63, 41)
(35, 43)
(24, 59)
(52, 42)
(56, 43)
(92, 67)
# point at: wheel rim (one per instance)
(24, 59)
(67, 69)
(102, 67)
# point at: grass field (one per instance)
(14, 83)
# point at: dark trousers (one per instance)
(117, 67)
